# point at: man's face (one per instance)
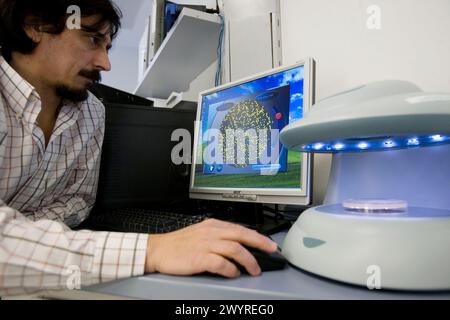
(72, 61)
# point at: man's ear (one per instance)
(33, 29)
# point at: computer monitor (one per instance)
(237, 152)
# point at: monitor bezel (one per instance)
(259, 195)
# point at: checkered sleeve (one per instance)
(44, 255)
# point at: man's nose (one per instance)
(102, 61)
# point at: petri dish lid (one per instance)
(375, 205)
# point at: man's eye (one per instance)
(95, 40)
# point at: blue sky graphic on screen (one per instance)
(244, 121)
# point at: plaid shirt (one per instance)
(46, 190)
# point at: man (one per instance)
(51, 131)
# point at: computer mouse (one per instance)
(267, 261)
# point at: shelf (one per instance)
(188, 49)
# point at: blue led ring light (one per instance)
(379, 116)
(377, 144)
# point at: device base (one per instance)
(409, 251)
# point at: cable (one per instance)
(218, 80)
(289, 215)
(275, 211)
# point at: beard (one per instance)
(78, 95)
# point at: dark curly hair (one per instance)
(15, 14)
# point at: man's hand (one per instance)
(206, 247)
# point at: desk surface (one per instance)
(290, 283)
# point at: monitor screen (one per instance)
(238, 154)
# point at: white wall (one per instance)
(124, 54)
(413, 44)
(252, 35)
(124, 71)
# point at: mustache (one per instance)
(94, 75)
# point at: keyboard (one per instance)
(144, 220)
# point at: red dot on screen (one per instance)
(279, 116)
